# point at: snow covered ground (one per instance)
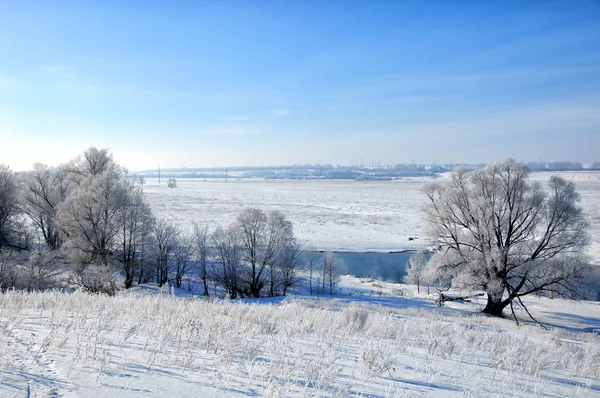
(335, 215)
(341, 215)
(375, 340)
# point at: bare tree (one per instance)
(252, 225)
(291, 263)
(135, 233)
(91, 216)
(44, 189)
(263, 238)
(182, 257)
(507, 236)
(436, 275)
(90, 219)
(93, 162)
(147, 267)
(165, 241)
(202, 252)
(280, 234)
(227, 248)
(311, 262)
(330, 273)
(9, 207)
(416, 269)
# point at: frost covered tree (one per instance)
(135, 233)
(280, 240)
(40, 269)
(88, 207)
(8, 270)
(435, 274)
(94, 218)
(415, 271)
(9, 207)
(330, 273)
(311, 264)
(263, 238)
(182, 257)
(44, 189)
(202, 252)
(91, 215)
(227, 248)
(93, 162)
(165, 236)
(291, 262)
(506, 235)
(252, 226)
(90, 219)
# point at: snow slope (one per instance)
(377, 340)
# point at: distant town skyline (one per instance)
(216, 84)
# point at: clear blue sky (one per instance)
(221, 83)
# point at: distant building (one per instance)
(172, 183)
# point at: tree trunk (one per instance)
(495, 305)
(205, 282)
(128, 280)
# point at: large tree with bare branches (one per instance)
(263, 237)
(44, 189)
(506, 235)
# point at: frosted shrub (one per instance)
(354, 318)
(377, 359)
(40, 267)
(96, 278)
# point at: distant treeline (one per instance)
(341, 172)
(556, 166)
(301, 172)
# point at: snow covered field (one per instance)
(345, 215)
(375, 341)
(335, 215)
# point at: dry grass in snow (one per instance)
(54, 344)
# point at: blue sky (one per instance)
(224, 83)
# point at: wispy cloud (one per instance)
(231, 131)
(279, 113)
